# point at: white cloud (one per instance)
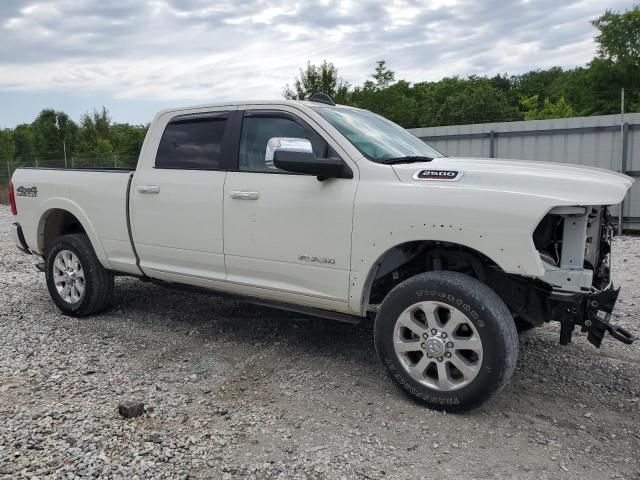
(198, 50)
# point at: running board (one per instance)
(289, 307)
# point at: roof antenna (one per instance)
(322, 98)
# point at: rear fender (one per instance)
(74, 209)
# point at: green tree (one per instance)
(454, 101)
(391, 100)
(127, 142)
(619, 36)
(53, 133)
(592, 90)
(318, 79)
(476, 102)
(595, 89)
(536, 82)
(394, 102)
(94, 127)
(67, 130)
(7, 154)
(550, 109)
(45, 137)
(104, 156)
(383, 76)
(7, 146)
(23, 141)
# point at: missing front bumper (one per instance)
(537, 302)
(597, 321)
(591, 311)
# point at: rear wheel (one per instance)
(78, 283)
(447, 340)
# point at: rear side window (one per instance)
(193, 144)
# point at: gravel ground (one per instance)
(236, 391)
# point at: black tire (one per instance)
(481, 307)
(98, 282)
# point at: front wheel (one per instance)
(447, 340)
(77, 282)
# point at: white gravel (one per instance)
(236, 391)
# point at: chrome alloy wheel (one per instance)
(438, 345)
(68, 276)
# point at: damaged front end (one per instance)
(576, 289)
(591, 311)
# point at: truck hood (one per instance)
(565, 183)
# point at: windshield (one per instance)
(374, 136)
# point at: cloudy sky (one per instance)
(135, 57)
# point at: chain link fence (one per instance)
(7, 167)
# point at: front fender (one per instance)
(497, 224)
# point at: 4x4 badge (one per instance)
(26, 192)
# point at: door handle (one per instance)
(148, 188)
(238, 195)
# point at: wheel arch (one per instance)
(414, 256)
(56, 222)
(61, 217)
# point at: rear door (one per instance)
(287, 232)
(177, 197)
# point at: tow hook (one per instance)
(621, 334)
(598, 316)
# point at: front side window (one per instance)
(258, 129)
(193, 144)
(374, 136)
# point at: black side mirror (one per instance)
(309, 164)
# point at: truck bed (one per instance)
(96, 197)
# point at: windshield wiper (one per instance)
(407, 159)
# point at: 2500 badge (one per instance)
(442, 175)
(313, 258)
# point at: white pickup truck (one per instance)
(336, 212)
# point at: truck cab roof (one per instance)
(236, 103)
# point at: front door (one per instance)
(177, 199)
(286, 232)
